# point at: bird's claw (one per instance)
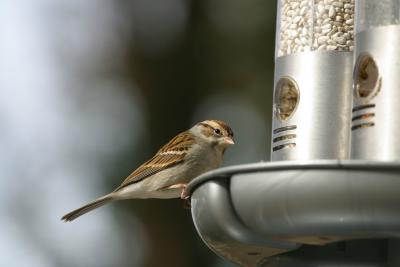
(184, 193)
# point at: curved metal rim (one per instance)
(227, 172)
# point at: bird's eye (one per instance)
(217, 131)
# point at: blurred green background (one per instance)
(91, 89)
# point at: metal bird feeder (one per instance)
(313, 67)
(314, 204)
(375, 118)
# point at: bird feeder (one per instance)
(313, 67)
(376, 105)
(312, 205)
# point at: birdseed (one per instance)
(308, 25)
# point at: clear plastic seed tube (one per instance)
(314, 25)
(375, 13)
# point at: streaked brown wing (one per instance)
(169, 155)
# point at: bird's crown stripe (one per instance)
(220, 123)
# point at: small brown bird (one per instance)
(166, 174)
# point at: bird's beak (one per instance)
(228, 141)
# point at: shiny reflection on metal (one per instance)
(323, 114)
(248, 213)
(379, 142)
(363, 107)
(319, 206)
(222, 231)
(286, 128)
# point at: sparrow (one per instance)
(166, 174)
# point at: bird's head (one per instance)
(216, 132)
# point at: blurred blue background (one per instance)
(91, 89)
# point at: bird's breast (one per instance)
(205, 158)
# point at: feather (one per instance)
(88, 207)
(169, 155)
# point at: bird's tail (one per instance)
(88, 207)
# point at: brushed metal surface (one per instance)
(380, 142)
(322, 117)
(251, 213)
(310, 202)
(319, 206)
(222, 231)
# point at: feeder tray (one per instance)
(281, 213)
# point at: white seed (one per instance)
(348, 11)
(325, 31)
(297, 19)
(321, 8)
(294, 5)
(337, 4)
(339, 18)
(340, 40)
(322, 39)
(332, 12)
(338, 34)
(331, 42)
(326, 26)
(331, 47)
(350, 22)
(303, 11)
(304, 3)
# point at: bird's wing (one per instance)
(169, 155)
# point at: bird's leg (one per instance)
(184, 194)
